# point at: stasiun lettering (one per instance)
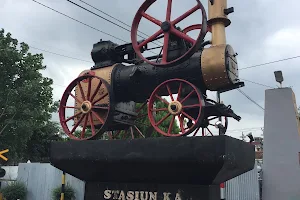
(137, 195)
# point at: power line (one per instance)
(59, 54)
(258, 83)
(104, 17)
(80, 21)
(276, 61)
(111, 16)
(250, 98)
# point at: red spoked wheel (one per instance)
(186, 106)
(92, 110)
(166, 28)
(195, 27)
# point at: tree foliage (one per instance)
(26, 100)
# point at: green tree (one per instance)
(26, 100)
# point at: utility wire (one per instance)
(79, 21)
(59, 54)
(111, 16)
(258, 83)
(250, 98)
(103, 17)
(276, 61)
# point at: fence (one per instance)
(243, 187)
(10, 176)
(42, 178)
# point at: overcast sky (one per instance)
(261, 31)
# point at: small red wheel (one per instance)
(187, 105)
(206, 131)
(195, 27)
(92, 110)
(167, 27)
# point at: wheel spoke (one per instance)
(68, 119)
(185, 15)
(110, 135)
(92, 124)
(203, 132)
(210, 132)
(98, 117)
(140, 132)
(163, 119)
(196, 131)
(170, 93)
(89, 89)
(151, 19)
(77, 124)
(165, 48)
(188, 116)
(96, 90)
(158, 109)
(181, 124)
(182, 35)
(143, 115)
(100, 107)
(163, 100)
(81, 91)
(187, 96)
(169, 8)
(84, 126)
(179, 91)
(171, 125)
(72, 107)
(131, 131)
(150, 39)
(192, 106)
(142, 106)
(100, 98)
(76, 99)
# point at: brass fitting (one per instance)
(218, 20)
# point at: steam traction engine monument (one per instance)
(110, 149)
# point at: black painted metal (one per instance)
(137, 82)
(184, 160)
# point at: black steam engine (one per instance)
(110, 97)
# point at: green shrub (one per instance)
(69, 193)
(15, 190)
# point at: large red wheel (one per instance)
(195, 27)
(187, 105)
(92, 110)
(166, 28)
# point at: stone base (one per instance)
(184, 160)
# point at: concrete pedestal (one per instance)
(281, 159)
(191, 167)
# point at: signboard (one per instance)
(1, 154)
(123, 191)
